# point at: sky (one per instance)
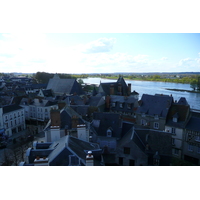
(99, 52)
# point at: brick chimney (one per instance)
(112, 89)
(74, 121)
(89, 159)
(120, 88)
(55, 118)
(107, 101)
(61, 105)
(129, 89)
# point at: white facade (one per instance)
(13, 121)
(177, 140)
(37, 110)
(83, 133)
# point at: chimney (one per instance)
(89, 159)
(41, 161)
(55, 118)
(74, 121)
(129, 88)
(107, 101)
(61, 105)
(120, 88)
(112, 89)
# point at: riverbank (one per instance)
(180, 90)
(146, 80)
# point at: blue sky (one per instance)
(99, 52)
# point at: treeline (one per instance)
(43, 77)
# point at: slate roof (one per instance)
(10, 108)
(37, 102)
(155, 105)
(183, 101)
(106, 87)
(66, 118)
(157, 140)
(193, 124)
(67, 86)
(95, 101)
(132, 136)
(65, 146)
(75, 100)
(181, 112)
(66, 115)
(47, 93)
(80, 109)
(102, 121)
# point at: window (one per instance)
(156, 117)
(143, 122)
(173, 130)
(197, 138)
(156, 125)
(126, 150)
(176, 151)
(190, 147)
(175, 119)
(129, 106)
(121, 105)
(109, 133)
(198, 149)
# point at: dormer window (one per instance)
(156, 116)
(109, 133)
(175, 118)
(113, 104)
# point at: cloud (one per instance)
(184, 61)
(99, 46)
(164, 58)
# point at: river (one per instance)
(150, 87)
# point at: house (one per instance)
(37, 112)
(176, 121)
(107, 129)
(131, 150)
(152, 111)
(12, 119)
(45, 93)
(35, 88)
(191, 147)
(115, 88)
(64, 86)
(64, 122)
(125, 105)
(67, 151)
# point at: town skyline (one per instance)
(100, 52)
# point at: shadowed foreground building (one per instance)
(68, 151)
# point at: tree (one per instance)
(193, 84)
(80, 81)
(198, 83)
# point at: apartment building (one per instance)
(12, 119)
